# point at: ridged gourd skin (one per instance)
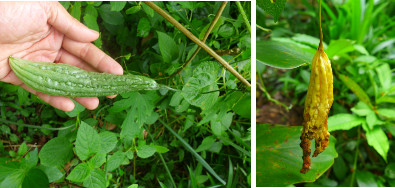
(318, 102)
(66, 80)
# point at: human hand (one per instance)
(45, 31)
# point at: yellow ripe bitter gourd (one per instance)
(318, 102)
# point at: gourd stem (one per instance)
(197, 41)
(319, 22)
(215, 20)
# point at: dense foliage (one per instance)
(359, 41)
(196, 136)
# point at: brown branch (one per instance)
(30, 145)
(197, 41)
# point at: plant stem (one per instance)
(215, 20)
(243, 14)
(355, 158)
(197, 41)
(268, 96)
(319, 22)
(35, 126)
(163, 160)
(262, 28)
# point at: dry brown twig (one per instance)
(197, 41)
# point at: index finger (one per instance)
(60, 19)
(92, 55)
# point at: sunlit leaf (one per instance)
(282, 55)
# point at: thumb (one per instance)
(61, 20)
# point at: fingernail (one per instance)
(94, 31)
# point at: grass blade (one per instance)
(194, 153)
(356, 89)
(230, 176)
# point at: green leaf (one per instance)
(339, 47)
(120, 105)
(88, 141)
(142, 107)
(343, 122)
(282, 55)
(390, 171)
(65, 4)
(273, 7)
(361, 49)
(161, 149)
(78, 108)
(97, 3)
(144, 27)
(117, 5)
(115, 160)
(192, 176)
(96, 179)
(390, 128)
(386, 112)
(243, 107)
(386, 99)
(91, 10)
(228, 141)
(108, 141)
(384, 44)
(22, 149)
(372, 120)
(308, 40)
(226, 30)
(365, 179)
(190, 5)
(110, 17)
(148, 10)
(97, 160)
(14, 180)
(168, 48)
(356, 89)
(133, 9)
(378, 140)
(30, 159)
(361, 109)
(23, 96)
(206, 144)
(91, 22)
(56, 152)
(145, 151)
(340, 168)
(279, 157)
(130, 129)
(35, 178)
(79, 173)
(52, 172)
(216, 126)
(384, 73)
(76, 10)
(203, 80)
